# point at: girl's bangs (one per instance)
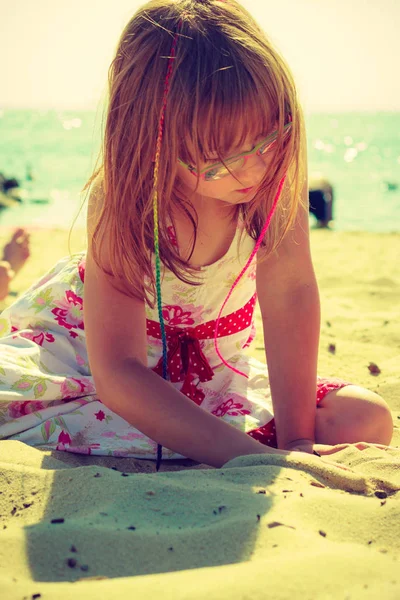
(226, 121)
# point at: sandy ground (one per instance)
(263, 526)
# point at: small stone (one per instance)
(373, 368)
(380, 494)
(84, 567)
(73, 549)
(61, 520)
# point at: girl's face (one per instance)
(236, 188)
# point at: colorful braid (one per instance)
(155, 217)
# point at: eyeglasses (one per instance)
(235, 163)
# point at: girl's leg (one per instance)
(353, 414)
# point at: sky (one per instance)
(344, 54)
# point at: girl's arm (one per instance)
(290, 307)
(115, 326)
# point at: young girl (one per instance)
(200, 206)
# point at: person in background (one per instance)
(15, 254)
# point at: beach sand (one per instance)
(263, 526)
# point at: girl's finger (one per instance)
(326, 450)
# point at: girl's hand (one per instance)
(325, 449)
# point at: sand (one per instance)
(263, 526)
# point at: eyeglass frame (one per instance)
(245, 155)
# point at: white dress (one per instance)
(47, 394)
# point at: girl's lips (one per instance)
(246, 190)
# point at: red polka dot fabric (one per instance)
(185, 357)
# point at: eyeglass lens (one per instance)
(220, 172)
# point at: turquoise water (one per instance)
(358, 152)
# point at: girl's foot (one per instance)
(16, 252)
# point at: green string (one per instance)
(155, 216)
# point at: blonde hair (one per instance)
(226, 72)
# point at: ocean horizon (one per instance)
(53, 152)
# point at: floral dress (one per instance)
(47, 393)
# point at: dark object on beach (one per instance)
(9, 191)
(8, 184)
(320, 194)
(57, 520)
(374, 369)
(71, 562)
(320, 208)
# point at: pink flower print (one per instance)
(230, 407)
(108, 434)
(38, 337)
(20, 409)
(81, 269)
(78, 449)
(182, 314)
(198, 313)
(175, 315)
(100, 416)
(40, 388)
(80, 360)
(23, 385)
(69, 312)
(131, 436)
(64, 438)
(71, 387)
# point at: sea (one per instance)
(53, 152)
